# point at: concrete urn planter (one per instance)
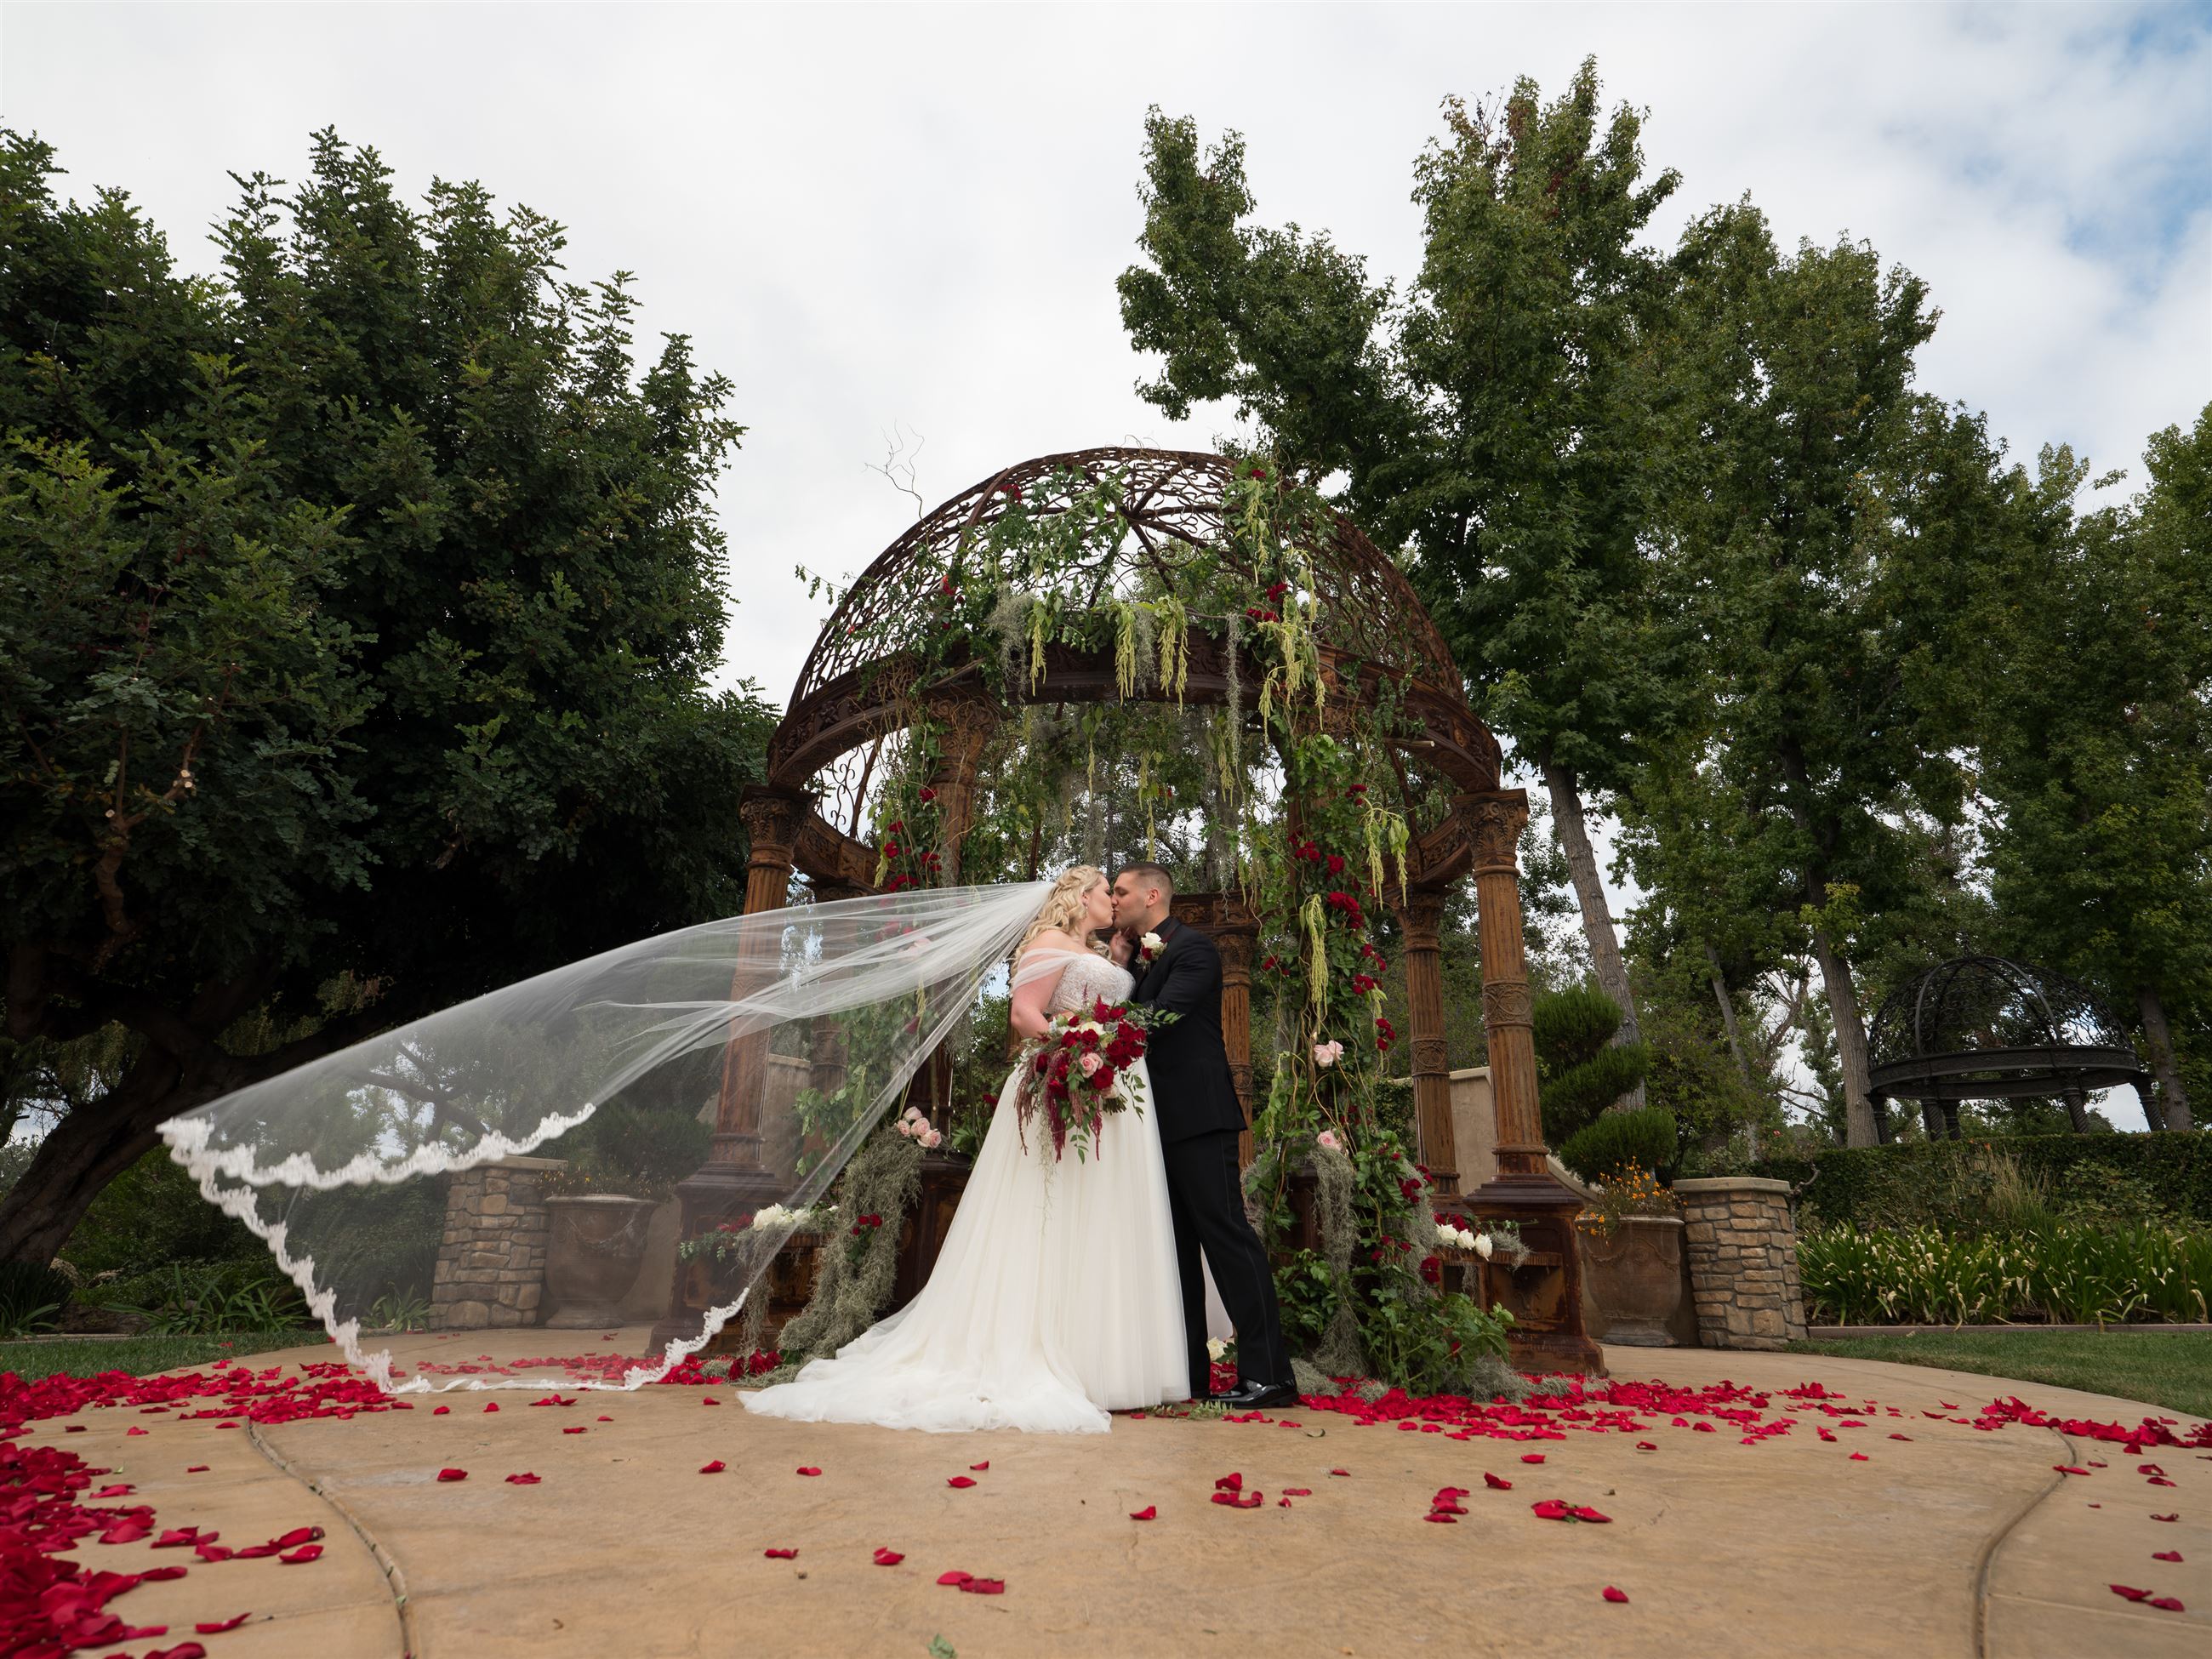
(597, 1246)
(1635, 1276)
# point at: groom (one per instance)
(1178, 970)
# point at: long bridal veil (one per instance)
(347, 1167)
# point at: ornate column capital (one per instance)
(772, 817)
(1422, 917)
(1495, 817)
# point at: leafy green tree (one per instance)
(1507, 424)
(357, 612)
(2096, 724)
(1829, 543)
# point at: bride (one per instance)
(1055, 1298)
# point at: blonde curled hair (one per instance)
(1062, 909)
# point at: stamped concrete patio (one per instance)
(1952, 1541)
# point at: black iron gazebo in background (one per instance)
(1985, 1028)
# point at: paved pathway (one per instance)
(1956, 1542)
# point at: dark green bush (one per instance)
(153, 1214)
(30, 1297)
(1616, 1139)
(1951, 1183)
(1579, 1075)
(639, 1151)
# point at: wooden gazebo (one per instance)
(858, 689)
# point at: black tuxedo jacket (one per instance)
(1193, 1092)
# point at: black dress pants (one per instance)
(1206, 1199)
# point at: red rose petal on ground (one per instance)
(1907, 1438)
(217, 1630)
(887, 1557)
(1339, 1471)
(452, 1474)
(1585, 1513)
(2167, 1603)
(1150, 1512)
(985, 1464)
(960, 1480)
(305, 1553)
(521, 1479)
(780, 1555)
(1550, 1510)
(2166, 1555)
(579, 1429)
(954, 1577)
(491, 1405)
(1494, 1483)
(134, 1431)
(1532, 1457)
(198, 1468)
(606, 1419)
(2176, 1516)
(1613, 1595)
(296, 1536)
(1859, 1457)
(439, 1411)
(810, 1471)
(2129, 1591)
(1443, 1520)
(1229, 1483)
(708, 1400)
(983, 1586)
(714, 1467)
(1297, 1491)
(2068, 1469)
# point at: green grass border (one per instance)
(2173, 1369)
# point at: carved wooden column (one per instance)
(733, 1179)
(1421, 918)
(1545, 1293)
(964, 726)
(1235, 935)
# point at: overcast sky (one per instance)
(912, 217)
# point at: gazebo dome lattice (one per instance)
(852, 694)
(1987, 1028)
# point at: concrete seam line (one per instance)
(1996, 1541)
(395, 1579)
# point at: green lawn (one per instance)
(2174, 1369)
(140, 1355)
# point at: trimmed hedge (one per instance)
(2135, 1176)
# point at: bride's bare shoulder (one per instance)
(1054, 941)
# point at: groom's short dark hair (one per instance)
(1151, 875)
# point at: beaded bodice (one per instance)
(1087, 978)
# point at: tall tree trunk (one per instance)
(1567, 824)
(1850, 1040)
(2172, 1098)
(1727, 1014)
(86, 1150)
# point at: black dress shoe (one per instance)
(1254, 1396)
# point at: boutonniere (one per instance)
(1147, 948)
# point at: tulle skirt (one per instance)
(1053, 1301)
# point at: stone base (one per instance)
(713, 1195)
(1544, 1293)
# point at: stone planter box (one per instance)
(1634, 1277)
(593, 1258)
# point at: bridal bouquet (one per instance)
(1069, 1075)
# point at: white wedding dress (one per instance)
(1054, 1300)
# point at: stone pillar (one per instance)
(1743, 1261)
(734, 1178)
(1544, 1292)
(491, 1260)
(1421, 917)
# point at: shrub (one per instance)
(2066, 1273)
(199, 1298)
(31, 1296)
(1580, 1075)
(637, 1151)
(1954, 1184)
(1644, 1138)
(152, 1213)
